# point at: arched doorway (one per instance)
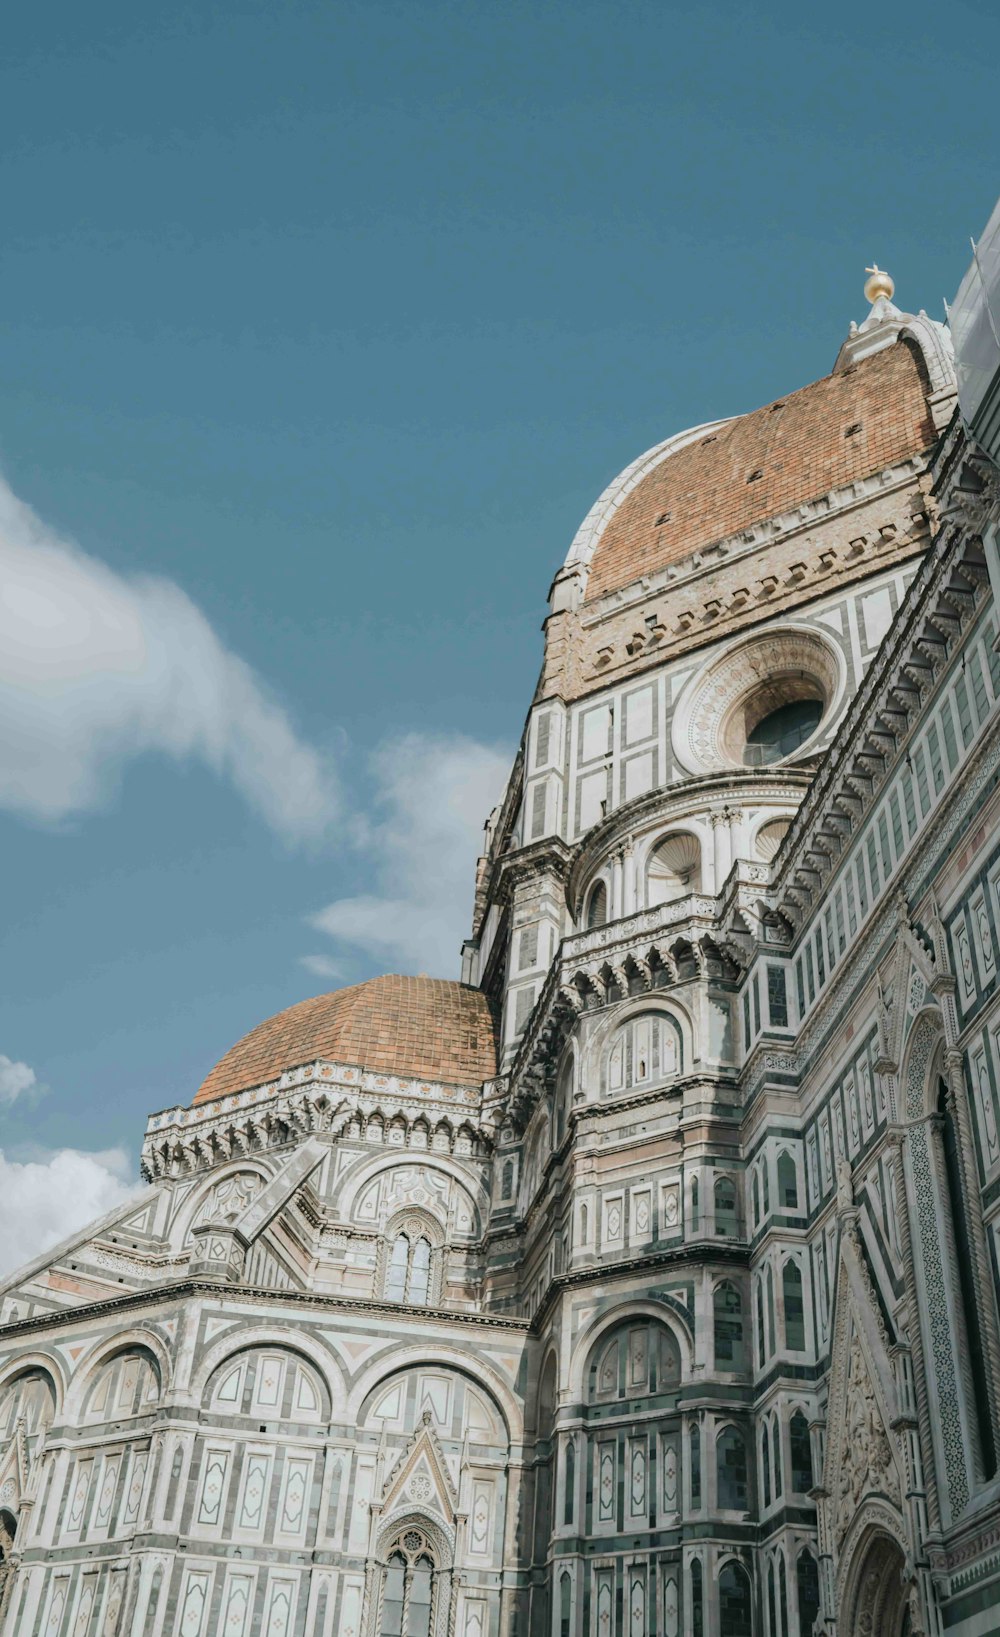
(878, 1599)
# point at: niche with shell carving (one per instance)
(674, 868)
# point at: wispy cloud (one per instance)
(49, 1196)
(432, 797)
(97, 669)
(16, 1080)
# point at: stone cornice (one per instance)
(234, 1295)
(870, 739)
(759, 537)
(731, 786)
(318, 1098)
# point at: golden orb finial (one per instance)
(878, 284)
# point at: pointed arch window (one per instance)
(974, 1352)
(411, 1265)
(788, 1184)
(735, 1602)
(410, 1588)
(726, 1214)
(694, 1464)
(765, 1464)
(795, 1316)
(697, 1601)
(728, 1328)
(801, 1449)
(731, 1470)
(807, 1586)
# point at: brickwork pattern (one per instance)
(427, 1027)
(831, 433)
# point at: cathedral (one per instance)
(644, 1282)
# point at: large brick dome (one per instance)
(424, 1028)
(708, 485)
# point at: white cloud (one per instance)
(434, 795)
(46, 1198)
(322, 966)
(96, 669)
(15, 1080)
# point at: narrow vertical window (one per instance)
(801, 1451)
(697, 1601)
(795, 1323)
(966, 1284)
(694, 1445)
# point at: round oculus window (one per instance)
(759, 702)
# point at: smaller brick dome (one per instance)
(420, 1028)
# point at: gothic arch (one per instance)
(872, 1596)
(239, 1340)
(592, 1333)
(934, 1267)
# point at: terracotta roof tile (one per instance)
(423, 1028)
(841, 428)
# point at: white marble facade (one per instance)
(685, 1320)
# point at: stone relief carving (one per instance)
(866, 1463)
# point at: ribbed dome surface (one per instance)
(844, 427)
(421, 1028)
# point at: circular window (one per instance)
(759, 702)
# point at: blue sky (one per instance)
(321, 327)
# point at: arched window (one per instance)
(770, 1310)
(597, 906)
(772, 1622)
(728, 1308)
(507, 1180)
(974, 1352)
(783, 1595)
(807, 1585)
(409, 1587)
(645, 1050)
(569, 1481)
(674, 868)
(565, 1603)
(409, 1266)
(726, 1220)
(766, 1186)
(776, 1456)
(795, 1317)
(694, 1204)
(694, 1444)
(735, 1602)
(765, 1464)
(801, 1450)
(761, 1336)
(755, 1198)
(788, 1186)
(731, 1470)
(697, 1601)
